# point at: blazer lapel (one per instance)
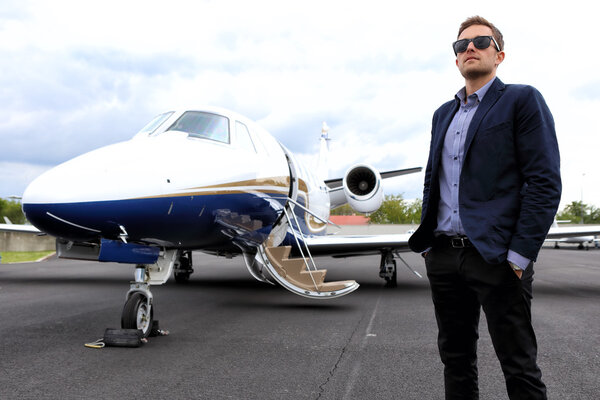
(440, 135)
(490, 98)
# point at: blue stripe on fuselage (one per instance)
(187, 221)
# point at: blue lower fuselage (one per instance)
(207, 222)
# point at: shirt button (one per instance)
(458, 133)
(456, 158)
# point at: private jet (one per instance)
(211, 180)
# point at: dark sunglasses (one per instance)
(480, 42)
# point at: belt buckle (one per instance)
(458, 243)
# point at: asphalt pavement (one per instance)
(232, 337)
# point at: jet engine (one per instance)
(362, 188)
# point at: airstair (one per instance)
(298, 275)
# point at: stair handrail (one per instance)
(325, 221)
(300, 247)
(289, 199)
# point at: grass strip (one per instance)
(22, 256)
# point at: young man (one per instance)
(492, 188)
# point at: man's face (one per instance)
(476, 63)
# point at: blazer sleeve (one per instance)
(539, 164)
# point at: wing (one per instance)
(18, 228)
(357, 245)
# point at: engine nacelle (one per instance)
(362, 187)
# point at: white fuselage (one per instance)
(176, 186)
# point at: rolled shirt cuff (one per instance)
(518, 260)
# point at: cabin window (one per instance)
(203, 125)
(244, 141)
(260, 146)
(155, 123)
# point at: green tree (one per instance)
(594, 215)
(396, 210)
(344, 210)
(12, 210)
(578, 211)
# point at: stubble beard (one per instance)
(475, 73)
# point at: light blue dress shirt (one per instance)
(453, 152)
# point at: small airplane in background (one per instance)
(212, 180)
(573, 235)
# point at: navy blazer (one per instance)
(510, 182)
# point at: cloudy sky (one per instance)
(77, 75)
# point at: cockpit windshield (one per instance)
(203, 125)
(155, 123)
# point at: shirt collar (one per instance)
(460, 95)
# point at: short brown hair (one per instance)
(477, 20)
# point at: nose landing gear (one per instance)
(138, 311)
(137, 314)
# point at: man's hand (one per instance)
(518, 271)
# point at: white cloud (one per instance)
(14, 174)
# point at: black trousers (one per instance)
(461, 284)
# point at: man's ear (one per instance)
(499, 58)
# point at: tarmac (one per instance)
(232, 337)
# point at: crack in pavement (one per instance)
(343, 351)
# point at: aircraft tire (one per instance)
(137, 314)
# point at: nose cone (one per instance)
(48, 203)
(63, 201)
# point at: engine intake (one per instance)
(362, 188)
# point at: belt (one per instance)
(457, 242)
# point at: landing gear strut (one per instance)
(138, 312)
(183, 269)
(387, 269)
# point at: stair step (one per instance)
(335, 286)
(293, 265)
(279, 253)
(318, 275)
(294, 270)
(295, 275)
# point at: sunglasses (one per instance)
(480, 42)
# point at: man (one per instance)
(492, 188)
